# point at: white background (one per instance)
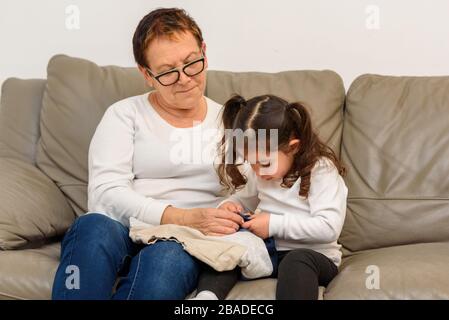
(241, 35)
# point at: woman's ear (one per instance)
(149, 80)
(293, 145)
(203, 48)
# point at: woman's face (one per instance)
(164, 54)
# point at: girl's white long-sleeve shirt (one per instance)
(139, 164)
(296, 222)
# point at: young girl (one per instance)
(298, 188)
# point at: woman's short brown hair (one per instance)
(164, 22)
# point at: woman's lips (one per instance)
(185, 91)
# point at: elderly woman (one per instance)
(134, 172)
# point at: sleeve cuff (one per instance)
(275, 225)
(155, 212)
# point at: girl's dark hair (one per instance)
(159, 23)
(292, 121)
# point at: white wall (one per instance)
(412, 37)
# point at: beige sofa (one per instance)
(392, 134)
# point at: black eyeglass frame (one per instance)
(183, 68)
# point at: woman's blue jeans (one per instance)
(96, 250)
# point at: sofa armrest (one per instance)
(32, 208)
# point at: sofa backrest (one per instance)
(76, 96)
(21, 102)
(322, 93)
(395, 146)
(394, 143)
(78, 92)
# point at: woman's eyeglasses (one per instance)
(170, 77)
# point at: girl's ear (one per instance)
(293, 145)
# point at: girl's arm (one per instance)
(247, 197)
(327, 200)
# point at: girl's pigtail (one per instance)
(311, 149)
(302, 130)
(229, 174)
(231, 109)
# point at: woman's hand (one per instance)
(231, 207)
(213, 222)
(259, 224)
(210, 221)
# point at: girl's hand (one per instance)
(259, 224)
(231, 207)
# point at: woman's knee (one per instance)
(96, 230)
(98, 225)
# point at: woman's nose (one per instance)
(183, 78)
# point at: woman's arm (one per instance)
(111, 170)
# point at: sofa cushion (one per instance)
(28, 274)
(260, 289)
(395, 146)
(322, 92)
(32, 209)
(418, 271)
(77, 94)
(21, 102)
